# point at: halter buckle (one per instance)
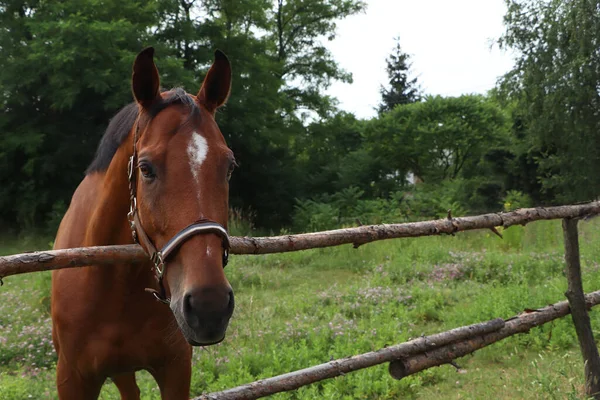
(131, 218)
(159, 263)
(225, 257)
(130, 168)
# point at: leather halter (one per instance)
(159, 257)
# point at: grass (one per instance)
(299, 309)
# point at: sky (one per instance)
(449, 42)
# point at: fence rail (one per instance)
(407, 358)
(410, 357)
(106, 255)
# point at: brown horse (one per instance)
(161, 172)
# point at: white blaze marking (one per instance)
(197, 150)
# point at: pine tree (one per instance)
(401, 90)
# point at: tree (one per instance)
(66, 66)
(434, 139)
(306, 66)
(323, 153)
(64, 71)
(401, 89)
(280, 70)
(554, 84)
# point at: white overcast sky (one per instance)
(448, 40)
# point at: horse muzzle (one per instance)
(203, 314)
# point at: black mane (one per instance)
(120, 125)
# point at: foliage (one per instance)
(401, 90)
(554, 83)
(329, 154)
(435, 139)
(66, 69)
(515, 199)
(349, 207)
(298, 27)
(299, 309)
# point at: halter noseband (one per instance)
(159, 257)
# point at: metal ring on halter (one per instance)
(160, 297)
(165, 300)
(132, 209)
(130, 167)
(159, 263)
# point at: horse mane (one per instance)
(120, 126)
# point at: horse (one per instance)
(160, 178)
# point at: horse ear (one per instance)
(217, 83)
(145, 81)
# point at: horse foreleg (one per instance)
(127, 387)
(174, 379)
(72, 386)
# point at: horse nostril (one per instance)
(191, 314)
(231, 303)
(187, 304)
(208, 302)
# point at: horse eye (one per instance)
(146, 170)
(231, 168)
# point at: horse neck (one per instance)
(109, 224)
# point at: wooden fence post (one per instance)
(578, 306)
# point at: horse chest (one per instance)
(111, 348)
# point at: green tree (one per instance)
(402, 90)
(65, 69)
(435, 139)
(555, 84)
(306, 66)
(518, 161)
(323, 153)
(281, 70)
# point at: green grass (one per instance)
(299, 309)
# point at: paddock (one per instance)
(406, 358)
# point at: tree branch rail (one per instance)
(410, 357)
(108, 255)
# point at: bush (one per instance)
(347, 208)
(515, 199)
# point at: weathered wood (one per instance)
(406, 358)
(366, 234)
(519, 324)
(335, 368)
(579, 313)
(106, 255)
(69, 258)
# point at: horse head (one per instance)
(178, 174)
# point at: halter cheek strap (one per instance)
(159, 257)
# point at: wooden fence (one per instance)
(407, 358)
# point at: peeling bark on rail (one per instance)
(520, 324)
(406, 358)
(106, 255)
(335, 368)
(366, 234)
(70, 258)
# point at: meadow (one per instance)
(299, 309)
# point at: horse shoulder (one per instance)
(72, 230)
